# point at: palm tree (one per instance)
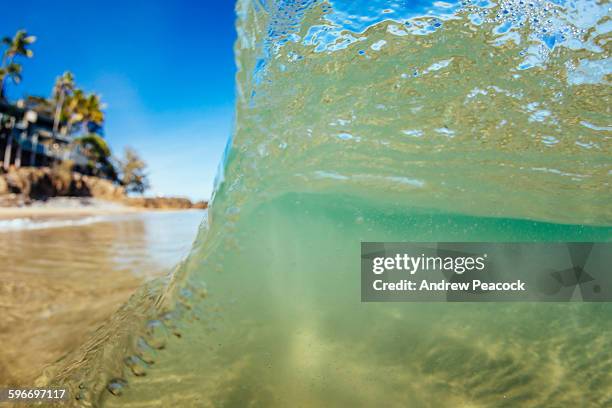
(11, 71)
(84, 110)
(64, 85)
(75, 109)
(92, 111)
(16, 46)
(72, 111)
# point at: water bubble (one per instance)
(145, 352)
(413, 132)
(185, 294)
(200, 290)
(116, 386)
(168, 319)
(185, 304)
(378, 45)
(156, 334)
(180, 311)
(136, 365)
(232, 211)
(83, 395)
(550, 140)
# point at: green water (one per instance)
(334, 146)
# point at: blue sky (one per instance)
(165, 68)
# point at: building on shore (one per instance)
(27, 138)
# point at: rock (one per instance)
(41, 183)
(19, 181)
(4, 188)
(162, 203)
(202, 205)
(103, 189)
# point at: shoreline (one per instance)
(48, 192)
(69, 207)
(28, 212)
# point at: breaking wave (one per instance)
(381, 121)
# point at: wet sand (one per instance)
(59, 284)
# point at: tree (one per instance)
(9, 69)
(82, 110)
(91, 112)
(98, 154)
(64, 85)
(16, 46)
(133, 172)
(72, 111)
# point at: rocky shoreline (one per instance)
(25, 186)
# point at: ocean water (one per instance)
(381, 121)
(62, 277)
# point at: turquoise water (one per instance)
(381, 121)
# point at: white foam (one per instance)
(28, 224)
